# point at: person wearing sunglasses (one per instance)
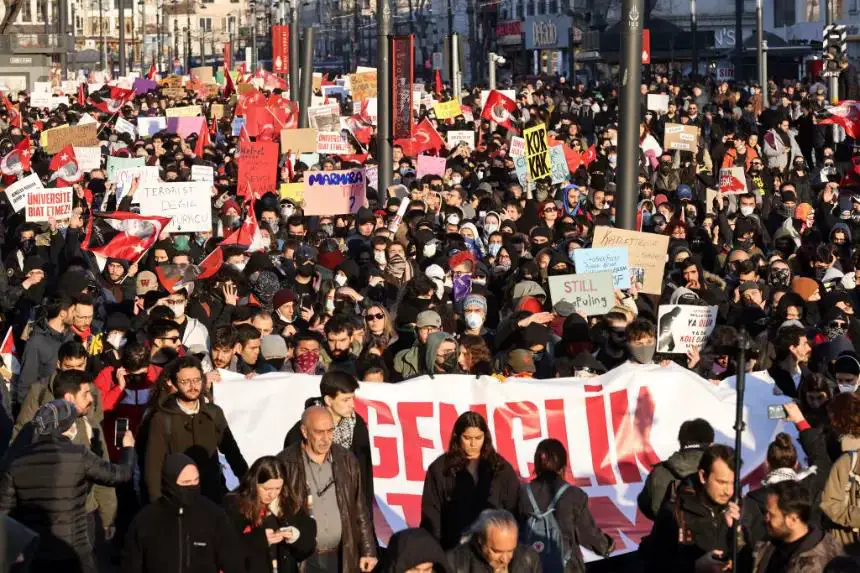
(378, 325)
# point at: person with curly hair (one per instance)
(842, 491)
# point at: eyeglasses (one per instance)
(550, 210)
(369, 317)
(190, 382)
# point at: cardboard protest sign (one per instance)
(517, 147)
(173, 81)
(537, 152)
(89, 158)
(324, 117)
(174, 93)
(611, 259)
(258, 167)
(125, 126)
(334, 192)
(363, 85)
(333, 142)
(558, 165)
(294, 192)
(78, 136)
(682, 137)
(733, 181)
(203, 173)
(149, 126)
(591, 293)
(17, 192)
(447, 109)
(203, 74)
(299, 140)
(658, 102)
(186, 111)
(42, 204)
(188, 203)
(684, 327)
(429, 165)
(646, 254)
(114, 164)
(457, 137)
(217, 110)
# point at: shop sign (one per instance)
(547, 32)
(509, 33)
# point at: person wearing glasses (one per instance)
(185, 423)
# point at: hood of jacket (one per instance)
(433, 342)
(684, 462)
(411, 547)
(841, 227)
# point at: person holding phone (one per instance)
(277, 533)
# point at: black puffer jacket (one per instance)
(467, 558)
(44, 485)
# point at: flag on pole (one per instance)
(499, 108)
(65, 167)
(121, 235)
(846, 114)
(151, 74)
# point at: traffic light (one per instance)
(835, 49)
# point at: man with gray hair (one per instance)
(494, 543)
(327, 478)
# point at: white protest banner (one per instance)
(684, 327)
(17, 192)
(189, 204)
(612, 259)
(615, 427)
(203, 173)
(42, 204)
(591, 293)
(733, 180)
(658, 102)
(518, 146)
(70, 87)
(89, 158)
(324, 117)
(333, 142)
(455, 138)
(149, 126)
(125, 126)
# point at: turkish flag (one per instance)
(424, 138)
(846, 114)
(121, 235)
(499, 108)
(65, 167)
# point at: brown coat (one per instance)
(358, 538)
(843, 509)
(814, 553)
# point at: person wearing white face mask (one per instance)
(474, 316)
(191, 330)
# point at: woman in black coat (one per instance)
(469, 478)
(274, 528)
(574, 519)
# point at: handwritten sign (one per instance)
(203, 74)
(455, 138)
(611, 259)
(646, 254)
(147, 175)
(363, 85)
(174, 93)
(203, 173)
(143, 85)
(258, 167)
(114, 164)
(332, 142)
(447, 109)
(684, 327)
(518, 146)
(537, 152)
(188, 203)
(658, 102)
(371, 172)
(185, 126)
(682, 137)
(733, 180)
(79, 136)
(334, 192)
(590, 293)
(125, 126)
(559, 171)
(17, 192)
(185, 111)
(42, 204)
(89, 158)
(149, 126)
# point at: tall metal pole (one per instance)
(101, 36)
(739, 40)
(143, 58)
(743, 344)
(760, 55)
(122, 54)
(132, 59)
(188, 37)
(492, 68)
(253, 6)
(455, 64)
(295, 6)
(694, 27)
(833, 82)
(450, 19)
(631, 76)
(175, 42)
(307, 75)
(383, 94)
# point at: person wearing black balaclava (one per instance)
(182, 531)
(613, 351)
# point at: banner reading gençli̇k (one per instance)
(281, 49)
(615, 428)
(402, 76)
(334, 192)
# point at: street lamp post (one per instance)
(175, 40)
(122, 47)
(253, 7)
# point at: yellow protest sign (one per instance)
(186, 111)
(537, 152)
(363, 85)
(294, 192)
(447, 109)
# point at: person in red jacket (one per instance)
(126, 391)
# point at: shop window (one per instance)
(530, 8)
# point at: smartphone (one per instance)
(776, 412)
(120, 427)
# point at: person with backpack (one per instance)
(694, 436)
(555, 519)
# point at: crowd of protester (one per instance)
(114, 440)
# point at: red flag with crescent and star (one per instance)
(121, 235)
(499, 108)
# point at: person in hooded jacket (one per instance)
(182, 531)
(413, 550)
(694, 436)
(40, 354)
(52, 503)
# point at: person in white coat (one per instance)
(780, 147)
(191, 330)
